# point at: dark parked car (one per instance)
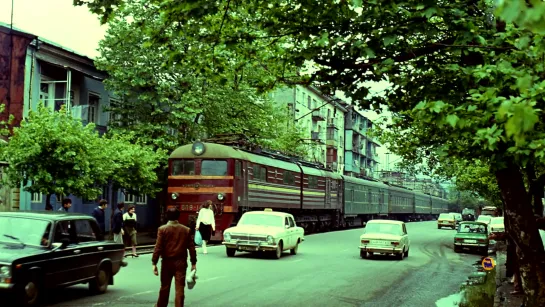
(42, 250)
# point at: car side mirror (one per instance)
(287, 226)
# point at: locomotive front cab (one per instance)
(202, 172)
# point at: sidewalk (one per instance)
(504, 298)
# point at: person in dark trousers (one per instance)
(117, 223)
(66, 204)
(173, 243)
(98, 214)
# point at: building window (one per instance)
(259, 173)
(94, 102)
(308, 102)
(140, 200)
(114, 103)
(36, 197)
(47, 95)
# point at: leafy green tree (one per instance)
(53, 153)
(169, 104)
(465, 84)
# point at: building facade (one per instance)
(337, 133)
(322, 119)
(56, 77)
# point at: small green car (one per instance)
(473, 236)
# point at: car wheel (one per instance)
(230, 252)
(293, 251)
(31, 291)
(407, 253)
(438, 227)
(278, 252)
(363, 254)
(400, 255)
(100, 283)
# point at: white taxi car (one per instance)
(385, 237)
(264, 231)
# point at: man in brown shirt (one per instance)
(173, 243)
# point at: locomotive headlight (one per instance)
(220, 196)
(227, 236)
(270, 239)
(174, 196)
(198, 148)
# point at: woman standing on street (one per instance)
(206, 224)
(129, 221)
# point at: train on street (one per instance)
(238, 180)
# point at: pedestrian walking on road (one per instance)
(206, 224)
(129, 221)
(98, 214)
(173, 244)
(117, 223)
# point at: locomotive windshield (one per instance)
(214, 168)
(183, 167)
(262, 220)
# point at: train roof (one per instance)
(366, 182)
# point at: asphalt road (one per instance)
(327, 271)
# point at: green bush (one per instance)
(480, 295)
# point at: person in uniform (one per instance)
(173, 243)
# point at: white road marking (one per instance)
(209, 279)
(296, 260)
(344, 250)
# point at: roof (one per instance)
(385, 222)
(212, 151)
(473, 222)
(276, 213)
(45, 215)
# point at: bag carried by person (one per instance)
(191, 279)
(198, 238)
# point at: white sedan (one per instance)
(497, 225)
(484, 219)
(264, 231)
(385, 237)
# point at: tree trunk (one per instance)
(524, 232)
(48, 201)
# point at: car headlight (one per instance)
(5, 271)
(220, 196)
(227, 236)
(270, 239)
(174, 196)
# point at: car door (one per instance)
(64, 263)
(91, 249)
(406, 240)
(288, 233)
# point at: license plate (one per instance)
(247, 248)
(378, 242)
(470, 241)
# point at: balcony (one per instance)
(332, 123)
(87, 115)
(315, 136)
(332, 166)
(318, 115)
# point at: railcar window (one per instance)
(312, 182)
(260, 173)
(238, 169)
(288, 177)
(214, 168)
(183, 167)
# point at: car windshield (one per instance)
(391, 229)
(472, 228)
(24, 231)
(446, 216)
(261, 220)
(497, 220)
(484, 218)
